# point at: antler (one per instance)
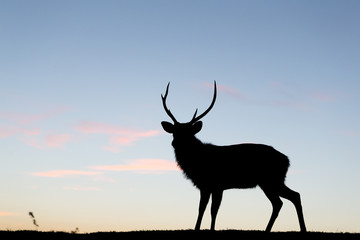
(164, 105)
(195, 119)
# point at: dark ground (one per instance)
(190, 234)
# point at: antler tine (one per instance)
(167, 110)
(195, 119)
(194, 115)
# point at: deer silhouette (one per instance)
(213, 169)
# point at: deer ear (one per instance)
(168, 127)
(197, 127)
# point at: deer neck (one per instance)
(187, 149)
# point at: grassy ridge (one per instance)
(225, 234)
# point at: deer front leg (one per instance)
(204, 199)
(276, 204)
(216, 200)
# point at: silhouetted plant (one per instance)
(213, 169)
(31, 214)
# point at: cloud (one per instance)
(35, 138)
(28, 118)
(17, 124)
(328, 97)
(65, 173)
(233, 92)
(79, 188)
(323, 97)
(302, 97)
(5, 214)
(147, 165)
(10, 131)
(48, 141)
(101, 128)
(285, 95)
(57, 140)
(102, 178)
(349, 133)
(20, 118)
(118, 135)
(7, 132)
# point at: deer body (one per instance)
(213, 169)
(242, 166)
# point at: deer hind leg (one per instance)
(215, 204)
(276, 202)
(294, 197)
(204, 199)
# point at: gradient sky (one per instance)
(80, 110)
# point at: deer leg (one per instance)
(276, 204)
(294, 197)
(215, 204)
(204, 199)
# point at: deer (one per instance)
(213, 169)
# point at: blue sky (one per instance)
(80, 134)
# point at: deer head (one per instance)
(184, 131)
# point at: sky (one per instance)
(80, 111)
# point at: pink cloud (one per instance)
(349, 133)
(102, 178)
(15, 124)
(122, 140)
(10, 131)
(118, 135)
(79, 188)
(233, 92)
(101, 128)
(28, 118)
(305, 96)
(329, 97)
(7, 132)
(324, 97)
(33, 132)
(114, 148)
(49, 141)
(32, 142)
(65, 173)
(5, 214)
(96, 127)
(20, 118)
(57, 140)
(142, 165)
